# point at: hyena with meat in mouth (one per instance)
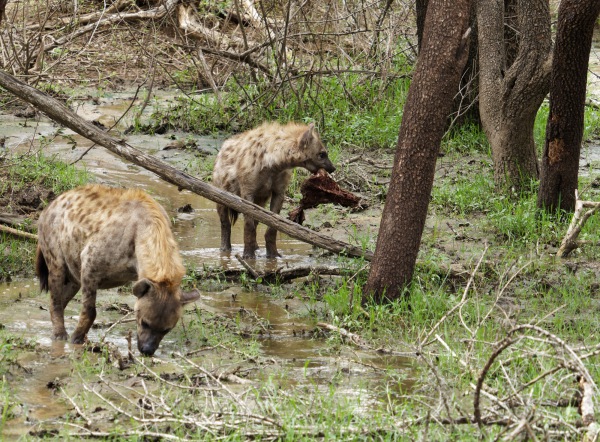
(257, 166)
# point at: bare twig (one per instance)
(580, 216)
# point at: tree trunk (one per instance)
(466, 101)
(429, 102)
(564, 130)
(511, 91)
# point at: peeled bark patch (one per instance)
(320, 188)
(556, 151)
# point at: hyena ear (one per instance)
(142, 287)
(187, 297)
(307, 136)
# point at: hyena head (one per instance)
(314, 151)
(158, 308)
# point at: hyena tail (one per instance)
(233, 215)
(41, 269)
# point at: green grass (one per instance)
(348, 109)
(28, 174)
(36, 168)
(450, 333)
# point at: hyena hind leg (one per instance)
(223, 212)
(61, 292)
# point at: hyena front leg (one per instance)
(223, 212)
(250, 244)
(271, 233)
(88, 312)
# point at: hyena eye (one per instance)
(323, 155)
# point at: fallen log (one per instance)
(15, 221)
(66, 117)
(279, 275)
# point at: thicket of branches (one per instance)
(272, 51)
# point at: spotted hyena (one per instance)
(97, 237)
(257, 165)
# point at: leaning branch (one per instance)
(63, 115)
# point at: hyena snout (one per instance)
(321, 162)
(148, 341)
(328, 166)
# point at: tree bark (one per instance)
(429, 102)
(564, 129)
(466, 100)
(421, 12)
(61, 114)
(511, 92)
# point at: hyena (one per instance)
(97, 237)
(257, 166)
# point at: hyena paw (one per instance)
(77, 339)
(60, 336)
(273, 254)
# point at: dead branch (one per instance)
(352, 337)
(278, 275)
(580, 216)
(247, 266)
(251, 14)
(107, 19)
(188, 21)
(63, 115)
(16, 232)
(586, 408)
(13, 220)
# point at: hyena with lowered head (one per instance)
(257, 166)
(97, 237)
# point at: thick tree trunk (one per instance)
(511, 91)
(61, 114)
(564, 130)
(429, 102)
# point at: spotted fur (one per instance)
(97, 237)
(257, 166)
